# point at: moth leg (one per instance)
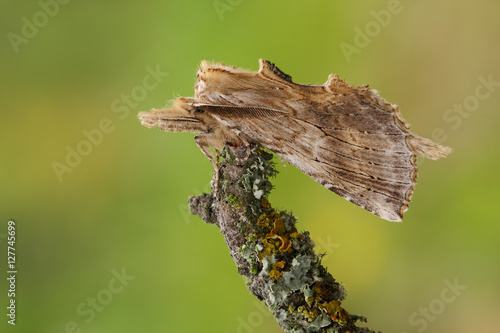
(248, 151)
(243, 142)
(203, 142)
(216, 170)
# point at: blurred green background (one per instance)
(78, 68)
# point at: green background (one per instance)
(124, 205)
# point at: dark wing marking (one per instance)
(350, 162)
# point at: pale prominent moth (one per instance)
(347, 138)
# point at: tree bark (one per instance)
(278, 261)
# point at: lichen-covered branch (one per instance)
(279, 262)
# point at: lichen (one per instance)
(276, 237)
(289, 267)
(233, 200)
(278, 261)
(275, 273)
(256, 180)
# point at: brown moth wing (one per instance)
(329, 161)
(347, 138)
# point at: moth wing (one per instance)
(378, 179)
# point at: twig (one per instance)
(278, 261)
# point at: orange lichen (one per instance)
(265, 203)
(308, 313)
(279, 232)
(272, 220)
(322, 301)
(335, 311)
(268, 219)
(275, 273)
(269, 249)
(322, 292)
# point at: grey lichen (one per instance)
(278, 261)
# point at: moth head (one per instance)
(181, 117)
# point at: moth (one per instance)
(347, 138)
